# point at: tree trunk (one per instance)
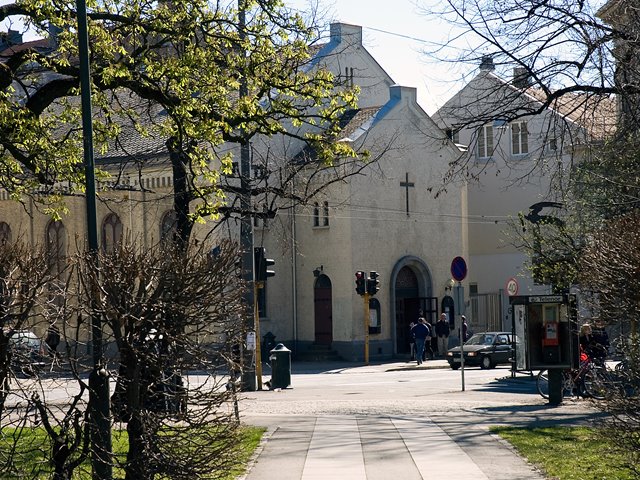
(181, 195)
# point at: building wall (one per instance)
(505, 185)
(369, 230)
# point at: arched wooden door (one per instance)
(323, 311)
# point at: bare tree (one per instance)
(169, 314)
(24, 278)
(173, 319)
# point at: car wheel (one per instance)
(486, 363)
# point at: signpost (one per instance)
(459, 273)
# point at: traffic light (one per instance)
(261, 263)
(360, 282)
(373, 284)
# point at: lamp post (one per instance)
(249, 380)
(99, 408)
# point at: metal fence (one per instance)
(486, 312)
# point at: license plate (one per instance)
(457, 360)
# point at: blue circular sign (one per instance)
(458, 269)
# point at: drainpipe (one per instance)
(294, 278)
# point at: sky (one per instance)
(397, 33)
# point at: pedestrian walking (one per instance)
(420, 332)
(53, 340)
(412, 342)
(442, 332)
(465, 329)
(428, 350)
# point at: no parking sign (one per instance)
(458, 269)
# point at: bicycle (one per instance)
(591, 379)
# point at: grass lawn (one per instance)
(568, 453)
(32, 449)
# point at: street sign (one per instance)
(458, 269)
(512, 287)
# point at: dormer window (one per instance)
(453, 135)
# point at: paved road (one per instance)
(395, 421)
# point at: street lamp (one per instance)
(99, 408)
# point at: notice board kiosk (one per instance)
(546, 326)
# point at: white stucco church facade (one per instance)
(387, 220)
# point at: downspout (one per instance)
(294, 278)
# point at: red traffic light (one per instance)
(360, 282)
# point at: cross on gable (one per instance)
(406, 184)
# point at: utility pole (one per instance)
(99, 408)
(246, 227)
(365, 299)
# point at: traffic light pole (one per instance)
(365, 298)
(246, 229)
(256, 319)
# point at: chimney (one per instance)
(486, 63)
(521, 77)
(14, 37)
(343, 32)
(53, 31)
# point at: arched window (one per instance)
(56, 247)
(325, 214)
(5, 232)
(168, 227)
(111, 232)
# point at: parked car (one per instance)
(29, 353)
(485, 350)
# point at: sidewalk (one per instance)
(364, 447)
(389, 448)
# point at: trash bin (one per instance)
(280, 358)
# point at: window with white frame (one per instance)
(485, 141)
(519, 138)
(321, 214)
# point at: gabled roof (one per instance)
(350, 122)
(43, 44)
(595, 114)
(344, 35)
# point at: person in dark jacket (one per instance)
(412, 342)
(420, 333)
(442, 332)
(601, 339)
(465, 329)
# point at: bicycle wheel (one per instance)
(542, 383)
(596, 384)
